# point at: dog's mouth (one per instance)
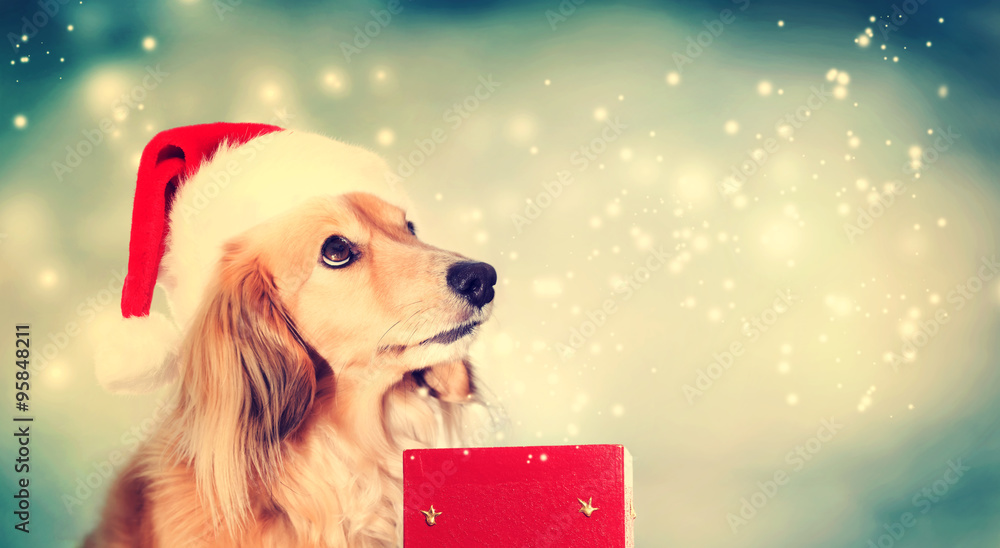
(452, 335)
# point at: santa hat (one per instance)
(198, 187)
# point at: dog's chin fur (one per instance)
(427, 355)
(269, 446)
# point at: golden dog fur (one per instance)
(299, 388)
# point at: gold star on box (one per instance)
(431, 515)
(586, 507)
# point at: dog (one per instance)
(329, 339)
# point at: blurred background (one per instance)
(753, 241)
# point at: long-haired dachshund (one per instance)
(329, 339)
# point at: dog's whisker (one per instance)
(416, 328)
(496, 317)
(378, 344)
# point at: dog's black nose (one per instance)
(473, 281)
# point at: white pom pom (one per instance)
(136, 355)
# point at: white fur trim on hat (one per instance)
(136, 355)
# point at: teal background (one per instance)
(830, 354)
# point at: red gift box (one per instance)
(518, 497)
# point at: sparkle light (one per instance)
(382, 79)
(270, 92)
(673, 78)
(149, 43)
(20, 121)
(56, 375)
(335, 82)
(48, 278)
(385, 137)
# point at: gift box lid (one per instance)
(543, 496)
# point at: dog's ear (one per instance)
(451, 382)
(248, 382)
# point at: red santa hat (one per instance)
(198, 187)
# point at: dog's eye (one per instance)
(411, 227)
(337, 252)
